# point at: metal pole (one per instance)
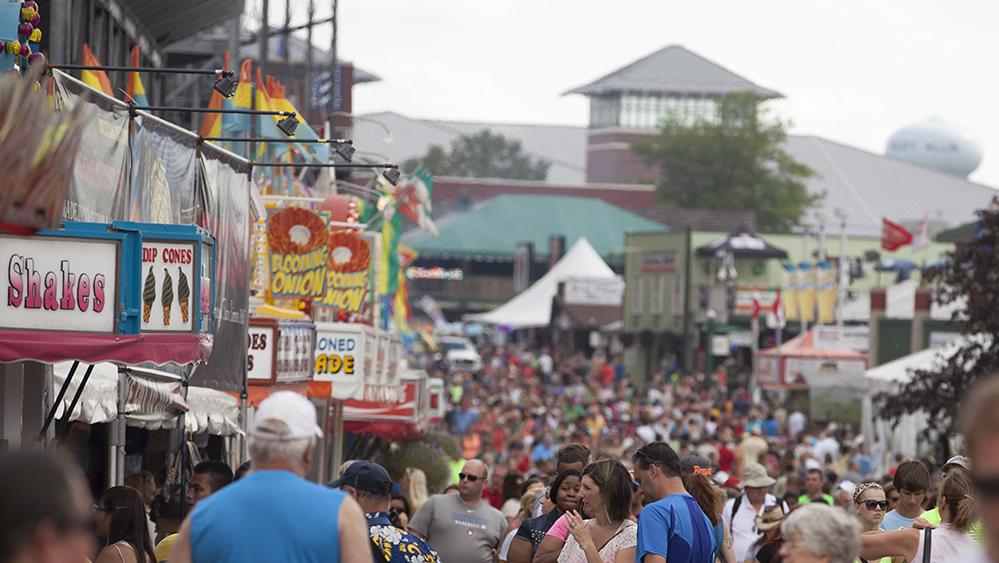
(64, 423)
(55, 404)
(806, 259)
(822, 239)
(334, 83)
(337, 432)
(688, 363)
(262, 35)
(235, 29)
(307, 96)
(841, 297)
(119, 428)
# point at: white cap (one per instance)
(294, 410)
(812, 463)
(848, 486)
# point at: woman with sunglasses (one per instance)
(121, 519)
(947, 543)
(871, 505)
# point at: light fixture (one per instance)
(288, 125)
(226, 83)
(346, 150)
(392, 175)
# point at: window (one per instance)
(648, 111)
(656, 295)
(636, 295)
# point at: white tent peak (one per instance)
(533, 306)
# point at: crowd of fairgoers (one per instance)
(564, 461)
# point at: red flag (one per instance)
(893, 235)
(757, 307)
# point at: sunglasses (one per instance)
(873, 504)
(470, 478)
(987, 487)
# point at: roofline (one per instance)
(892, 158)
(581, 89)
(542, 184)
(485, 124)
(763, 93)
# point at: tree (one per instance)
(971, 276)
(482, 155)
(734, 162)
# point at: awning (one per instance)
(154, 400)
(585, 317)
(741, 245)
(50, 347)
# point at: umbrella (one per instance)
(895, 265)
(741, 245)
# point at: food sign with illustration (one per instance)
(168, 269)
(349, 275)
(298, 243)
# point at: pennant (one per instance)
(922, 237)
(893, 235)
(134, 88)
(96, 79)
(757, 307)
(414, 196)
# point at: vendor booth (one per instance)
(393, 420)
(832, 377)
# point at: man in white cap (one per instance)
(740, 513)
(274, 514)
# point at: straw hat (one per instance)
(770, 519)
(755, 475)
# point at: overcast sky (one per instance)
(853, 71)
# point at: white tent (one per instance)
(906, 437)
(533, 306)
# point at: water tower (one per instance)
(938, 144)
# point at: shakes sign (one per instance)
(63, 284)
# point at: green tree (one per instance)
(482, 155)
(971, 278)
(734, 162)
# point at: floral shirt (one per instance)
(396, 546)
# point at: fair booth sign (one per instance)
(341, 357)
(261, 353)
(593, 291)
(59, 283)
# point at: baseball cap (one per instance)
(696, 464)
(365, 476)
(960, 461)
(290, 408)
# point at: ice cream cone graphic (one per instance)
(148, 295)
(166, 297)
(183, 295)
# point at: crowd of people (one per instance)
(564, 462)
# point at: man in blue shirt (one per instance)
(274, 514)
(673, 528)
(370, 485)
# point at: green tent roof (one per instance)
(493, 228)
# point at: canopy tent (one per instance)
(800, 363)
(207, 410)
(902, 438)
(741, 245)
(533, 306)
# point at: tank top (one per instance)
(947, 546)
(268, 516)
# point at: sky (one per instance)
(852, 71)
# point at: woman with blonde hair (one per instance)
(414, 486)
(947, 543)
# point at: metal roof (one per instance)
(494, 228)
(564, 146)
(174, 20)
(868, 186)
(675, 71)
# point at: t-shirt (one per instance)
(457, 531)
(677, 529)
(804, 499)
(511, 508)
(895, 521)
(931, 516)
(165, 548)
(560, 529)
(275, 515)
